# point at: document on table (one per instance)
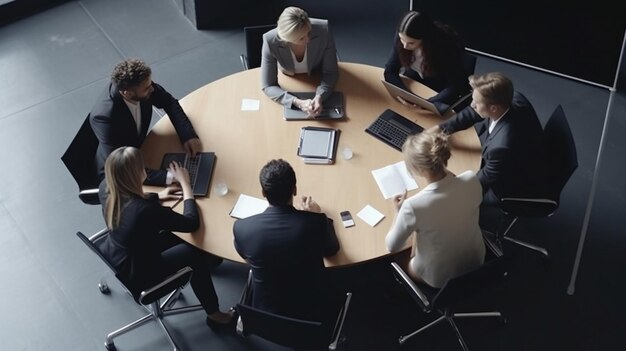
(247, 206)
(250, 105)
(394, 179)
(370, 215)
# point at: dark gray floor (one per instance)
(53, 65)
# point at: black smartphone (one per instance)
(346, 219)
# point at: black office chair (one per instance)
(290, 332)
(170, 289)
(469, 65)
(560, 162)
(254, 43)
(454, 290)
(79, 158)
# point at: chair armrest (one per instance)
(244, 61)
(170, 283)
(89, 196)
(528, 207)
(416, 293)
(339, 324)
(246, 294)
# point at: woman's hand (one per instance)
(398, 200)
(181, 175)
(408, 104)
(172, 192)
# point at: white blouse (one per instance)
(444, 216)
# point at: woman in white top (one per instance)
(443, 215)
(299, 45)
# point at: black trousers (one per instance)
(177, 254)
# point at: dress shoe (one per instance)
(219, 326)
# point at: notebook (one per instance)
(200, 169)
(318, 145)
(396, 92)
(333, 107)
(393, 129)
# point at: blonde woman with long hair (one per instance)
(141, 244)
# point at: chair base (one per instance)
(449, 317)
(494, 242)
(158, 311)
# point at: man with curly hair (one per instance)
(122, 115)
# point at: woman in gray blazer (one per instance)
(299, 45)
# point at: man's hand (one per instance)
(193, 146)
(308, 204)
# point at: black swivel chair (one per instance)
(254, 43)
(560, 162)
(79, 158)
(290, 332)
(469, 65)
(454, 290)
(170, 289)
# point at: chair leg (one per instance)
(167, 333)
(539, 249)
(125, 329)
(403, 339)
(459, 337)
(493, 243)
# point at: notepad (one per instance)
(247, 206)
(394, 179)
(370, 215)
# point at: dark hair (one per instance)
(130, 73)
(278, 180)
(441, 45)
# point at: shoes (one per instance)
(219, 326)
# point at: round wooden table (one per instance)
(244, 141)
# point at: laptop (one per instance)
(333, 107)
(200, 169)
(393, 129)
(396, 92)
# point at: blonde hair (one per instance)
(426, 151)
(124, 172)
(292, 22)
(495, 88)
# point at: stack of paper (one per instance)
(394, 179)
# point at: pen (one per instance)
(177, 202)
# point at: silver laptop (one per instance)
(332, 107)
(396, 92)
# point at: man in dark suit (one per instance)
(285, 248)
(122, 114)
(510, 135)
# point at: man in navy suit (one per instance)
(285, 248)
(122, 115)
(510, 135)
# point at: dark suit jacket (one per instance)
(510, 153)
(285, 248)
(133, 247)
(114, 125)
(450, 84)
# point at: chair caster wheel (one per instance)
(104, 288)
(110, 347)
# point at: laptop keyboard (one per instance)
(192, 164)
(390, 133)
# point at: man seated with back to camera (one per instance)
(285, 248)
(122, 115)
(510, 136)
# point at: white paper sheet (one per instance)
(250, 104)
(370, 215)
(394, 179)
(247, 206)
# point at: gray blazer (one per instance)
(321, 56)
